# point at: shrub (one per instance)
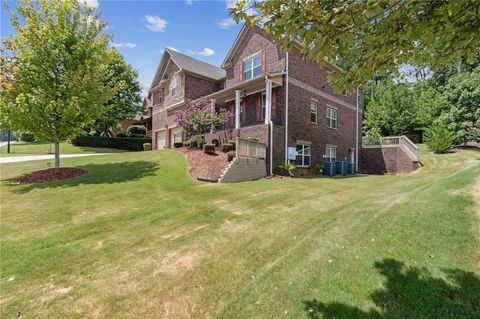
(287, 168)
(227, 148)
(27, 137)
(193, 143)
(186, 143)
(231, 155)
(147, 146)
(124, 143)
(138, 136)
(122, 134)
(201, 143)
(216, 142)
(317, 169)
(209, 148)
(439, 139)
(177, 144)
(137, 129)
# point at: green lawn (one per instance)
(44, 148)
(138, 238)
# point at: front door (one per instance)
(160, 140)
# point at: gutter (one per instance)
(357, 151)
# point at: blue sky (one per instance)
(141, 29)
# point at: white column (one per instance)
(237, 109)
(268, 101)
(212, 111)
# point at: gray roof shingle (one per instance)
(195, 66)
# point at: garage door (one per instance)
(160, 140)
(176, 135)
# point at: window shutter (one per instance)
(240, 71)
(264, 67)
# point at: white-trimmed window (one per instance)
(330, 154)
(313, 111)
(304, 154)
(252, 67)
(173, 87)
(264, 106)
(331, 117)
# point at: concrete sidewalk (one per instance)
(19, 159)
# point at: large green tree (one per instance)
(59, 52)
(125, 103)
(371, 37)
(463, 97)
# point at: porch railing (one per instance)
(253, 118)
(246, 148)
(387, 141)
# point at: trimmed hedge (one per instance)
(228, 147)
(27, 137)
(178, 144)
(147, 146)
(209, 149)
(123, 143)
(137, 129)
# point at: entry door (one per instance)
(160, 140)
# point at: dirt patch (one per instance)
(204, 166)
(175, 262)
(51, 174)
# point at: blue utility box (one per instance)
(329, 168)
(341, 168)
(351, 168)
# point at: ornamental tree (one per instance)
(59, 54)
(200, 117)
(370, 38)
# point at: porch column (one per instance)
(212, 111)
(268, 101)
(237, 109)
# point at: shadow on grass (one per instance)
(411, 292)
(108, 173)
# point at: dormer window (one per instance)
(173, 87)
(252, 67)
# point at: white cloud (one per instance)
(204, 52)
(155, 23)
(226, 23)
(90, 3)
(126, 45)
(174, 49)
(189, 2)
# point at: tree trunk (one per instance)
(57, 154)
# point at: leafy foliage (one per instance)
(53, 86)
(131, 144)
(137, 129)
(287, 168)
(125, 102)
(370, 38)
(439, 139)
(200, 117)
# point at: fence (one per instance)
(246, 148)
(372, 142)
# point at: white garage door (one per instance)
(160, 140)
(176, 135)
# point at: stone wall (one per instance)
(387, 160)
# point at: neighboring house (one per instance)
(271, 93)
(141, 118)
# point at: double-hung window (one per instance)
(264, 106)
(330, 154)
(173, 87)
(304, 154)
(313, 111)
(331, 117)
(252, 67)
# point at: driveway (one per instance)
(18, 159)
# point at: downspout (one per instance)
(286, 107)
(270, 123)
(357, 151)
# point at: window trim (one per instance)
(303, 155)
(316, 112)
(331, 119)
(245, 70)
(331, 147)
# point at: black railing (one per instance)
(253, 118)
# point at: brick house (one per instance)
(272, 94)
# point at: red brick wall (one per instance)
(253, 42)
(196, 87)
(386, 160)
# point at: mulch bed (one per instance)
(204, 166)
(51, 174)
